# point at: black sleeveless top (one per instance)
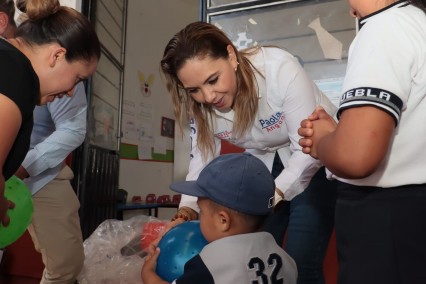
(20, 83)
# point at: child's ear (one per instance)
(224, 221)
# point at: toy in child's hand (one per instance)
(20, 216)
(177, 246)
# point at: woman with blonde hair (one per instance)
(254, 99)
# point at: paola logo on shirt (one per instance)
(273, 122)
(224, 135)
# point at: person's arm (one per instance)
(298, 96)
(188, 205)
(10, 119)
(69, 117)
(356, 146)
(375, 93)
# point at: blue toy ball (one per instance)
(178, 246)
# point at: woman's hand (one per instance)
(278, 196)
(22, 173)
(4, 205)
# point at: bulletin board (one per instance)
(147, 122)
(142, 139)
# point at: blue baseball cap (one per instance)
(240, 182)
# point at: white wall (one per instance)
(150, 26)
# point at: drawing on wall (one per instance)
(103, 130)
(167, 127)
(243, 41)
(138, 141)
(145, 83)
(331, 47)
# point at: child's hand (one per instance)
(313, 129)
(306, 131)
(151, 249)
(151, 259)
(148, 274)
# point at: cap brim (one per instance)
(188, 187)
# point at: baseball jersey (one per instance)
(286, 97)
(387, 69)
(246, 258)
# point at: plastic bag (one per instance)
(114, 253)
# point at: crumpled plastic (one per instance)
(114, 253)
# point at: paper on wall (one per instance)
(331, 47)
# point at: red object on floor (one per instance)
(20, 259)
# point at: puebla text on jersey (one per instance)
(387, 70)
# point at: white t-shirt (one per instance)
(286, 97)
(387, 69)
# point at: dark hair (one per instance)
(199, 40)
(8, 7)
(421, 4)
(50, 22)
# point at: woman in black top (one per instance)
(52, 51)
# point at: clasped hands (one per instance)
(313, 129)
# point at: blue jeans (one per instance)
(308, 222)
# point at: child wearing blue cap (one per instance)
(235, 195)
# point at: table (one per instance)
(121, 207)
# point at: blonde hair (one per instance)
(198, 40)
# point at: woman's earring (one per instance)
(236, 67)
